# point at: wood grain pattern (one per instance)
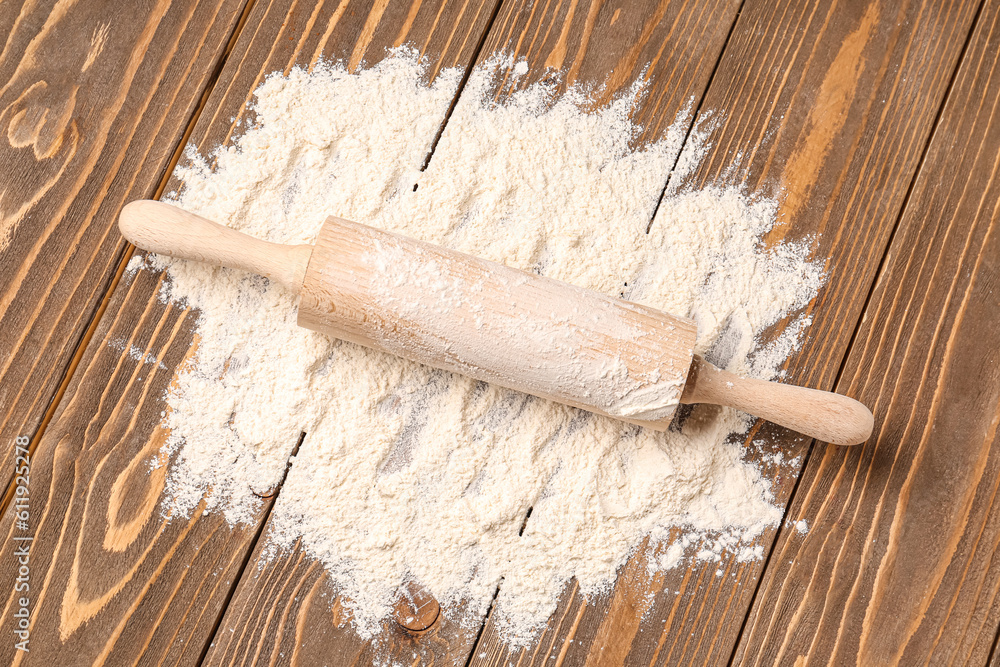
(94, 98)
(832, 105)
(831, 102)
(671, 44)
(287, 33)
(113, 582)
(285, 612)
(900, 562)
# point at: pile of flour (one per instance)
(407, 473)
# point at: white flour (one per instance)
(410, 473)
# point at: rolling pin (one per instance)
(494, 323)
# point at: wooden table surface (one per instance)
(880, 123)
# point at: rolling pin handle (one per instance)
(823, 415)
(168, 230)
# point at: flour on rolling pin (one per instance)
(501, 325)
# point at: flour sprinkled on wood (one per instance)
(410, 474)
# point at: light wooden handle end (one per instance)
(823, 415)
(168, 230)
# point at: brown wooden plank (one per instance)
(900, 565)
(112, 580)
(282, 612)
(832, 105)
(354, 32)
(285, 612)
(673, 44)
(94, 99)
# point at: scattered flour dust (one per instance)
(407, 473)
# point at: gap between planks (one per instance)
(127, 251)
(461, 84)
(270, 499)
(124, 256)
(877, 261)
(857, 328)
(694, 116)
(689, 130)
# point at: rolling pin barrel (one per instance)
(488, 321)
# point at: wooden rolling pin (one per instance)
(494, 323)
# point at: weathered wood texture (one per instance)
(112, 580)
(94, 98)
(287, 33)
(285, 612)
(829, 105)
(900, 563)
(673, 45)
(831, 102)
